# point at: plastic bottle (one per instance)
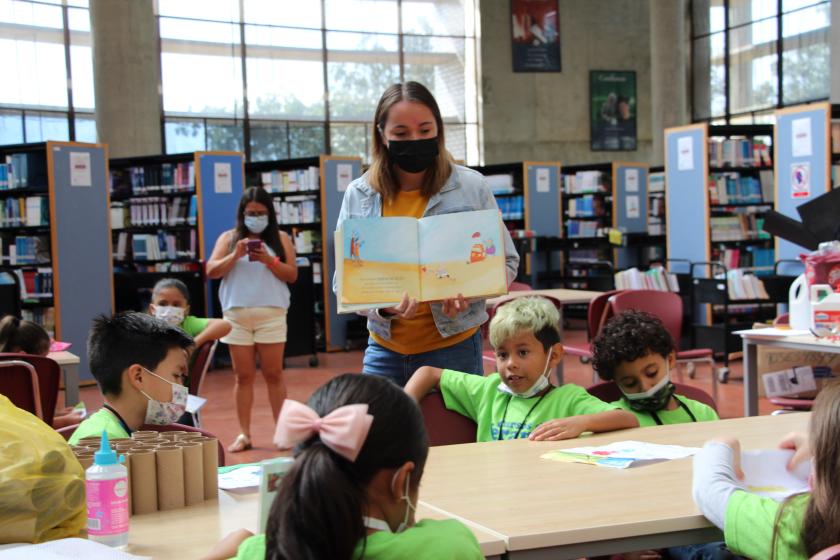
(825, 308)
(106, 485)
(799, 304)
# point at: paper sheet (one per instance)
(801, 137)
(620, 454)
(223, 182)
(241, 480)
(542, 180)
(772, 332)
(631, 180)
(65, 549)
(80, 173)
(194, 403)
(685, 153)
(766, 474)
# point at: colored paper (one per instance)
(800, 180)
(766, 474)
(620, 454)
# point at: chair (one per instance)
(596, 315)
(519, 287)
(48, 374)
(794, 405)
(202, 358)
(609, 391)
(830, 553)
(783, 319)
(444, 426)
(19, 382)
(668, 306)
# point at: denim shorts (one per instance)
(464, 356)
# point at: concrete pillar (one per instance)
(834, 46)
(126, 70)
(668, 68)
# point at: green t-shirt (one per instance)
(750, 519)
(702, 412)
(427, 540)
(479, 398)
(193, 325)
(102, 419)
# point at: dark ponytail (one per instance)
(319, 507)
(17, 335)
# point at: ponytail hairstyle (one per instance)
(271, 234)
(821, 525)
(318, 510)
(20, 336)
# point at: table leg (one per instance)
(71, 384)
(750, 378)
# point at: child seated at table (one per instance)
(360, 448)
(140, 364)
(636, 351)
(171, 303)
(519, 401)
(19, 336)
(759, 527)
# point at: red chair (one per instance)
(48, 375)
(444, 426)
(830, 553)
(203, 357)
(792, 405)
(597, 314)
(608, 391)
(668, 306)
(783, 319)
(519, 287)
(19, 382)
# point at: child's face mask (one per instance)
(523, 363)
(380, 525)
(163, 413)
(538, 387)
(172, 315)
(654, 399)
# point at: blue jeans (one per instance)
(464, 356)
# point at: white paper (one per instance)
(344, 175)
(65, 549)
(685, 153)
(772, 333)
(241, 479)
(792, 381)
(801, 131)
(223, 182)
(631, 180)
(621, 454)
(542, 180)
(800, 180)
(766, 474)
(632, 206)
(194, 403)
(80, 174)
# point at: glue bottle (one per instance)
(106, 485)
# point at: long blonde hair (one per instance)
(381, 174)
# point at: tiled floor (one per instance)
(219, 415)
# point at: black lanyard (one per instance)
(682, 405)
(521, 424)
(119, 418)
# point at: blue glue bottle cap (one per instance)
(106, 455)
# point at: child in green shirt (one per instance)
(636, 351)
(519, 401)
(353, 496)
(171, 303)
(140, 364)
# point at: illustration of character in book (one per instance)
(477, 252)
(355, 245)
(489, 247)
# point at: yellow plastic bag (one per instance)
(42, 485)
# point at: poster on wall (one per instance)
(612, 108)
(535, 35)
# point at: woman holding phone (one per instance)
(256, 262)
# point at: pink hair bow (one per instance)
(343, 430)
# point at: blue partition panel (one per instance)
(81, 238)
(542, 188)
(801, 164)
(336, 172)
(630, 194)
(686, 197)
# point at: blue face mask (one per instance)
(256, 224)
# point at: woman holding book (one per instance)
(412, 175)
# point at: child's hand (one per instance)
(735, 445)
(798, 442)
(564, 428)
(228, 546)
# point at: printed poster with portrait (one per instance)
(612, 107)
(535, 35)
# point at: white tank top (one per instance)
(252, 284)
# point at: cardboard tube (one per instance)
(127, 464)
(43, 491)
(145, 434)
(189, 436)
(74, 494)
(52, 462)
(144, 494)
(210, 454)
(15, 496)
(193, 472)
(18, 529)
(85, 459)
(170, 477)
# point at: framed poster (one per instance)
(612, 110)
(535, 35)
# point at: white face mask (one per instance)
(256, 224)
(535, 389)
(163, 413)
(174, 316)
(650, 392)
(380, 525)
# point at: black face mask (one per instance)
(413, 156)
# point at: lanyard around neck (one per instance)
(521, 424)
(682, 405)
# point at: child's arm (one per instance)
(573, 426)
(717, 469)
(215, 329)
(228, 546)
(424, 380)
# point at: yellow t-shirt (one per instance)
(420, 334)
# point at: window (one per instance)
(298, 79)
(749, 56)
(48, 74)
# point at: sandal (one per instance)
(241, 443)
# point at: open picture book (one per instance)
(430, 259)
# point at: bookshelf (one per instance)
(507, 183)
(55, 237)
(656, 221)
(835, 146)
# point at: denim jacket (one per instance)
(464, 191)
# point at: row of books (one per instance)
(156, 247)
(586, 207)
(154, 211)
(731, 187)
(587, 182)
(656, 278)
(25, 249)
(168, 267)
(742, 285)
(741, 227)
(739, 152)
(298, 210)
(512, 208)
(835, 137)
(577, 228)
(835, 176)
(154, 178)
(29, 211)
(306, 240)
(291, 180)
(656, 182)
(44, 316)
(501, 183)
(751, 257)
(35, 284)
(22, 171)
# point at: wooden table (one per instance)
(69, 363)
(192, 532)
(547, 509)
(751, 341)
